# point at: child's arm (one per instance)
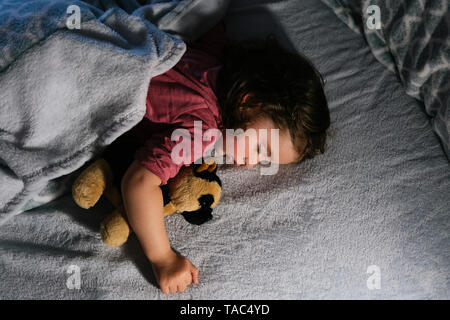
(143, 203)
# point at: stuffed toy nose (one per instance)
(206, 201)
(203, 214)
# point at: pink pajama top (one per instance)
(176, 99)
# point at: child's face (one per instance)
(264, 147)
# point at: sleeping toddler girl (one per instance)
(225, 86)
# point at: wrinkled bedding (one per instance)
(67, 92)
(412, 40)
(376, 200)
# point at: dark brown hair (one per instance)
(260, 78)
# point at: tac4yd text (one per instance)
(246, 309)
(229, 309)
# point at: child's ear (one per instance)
(246, 98)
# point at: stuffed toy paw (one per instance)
(194, 192)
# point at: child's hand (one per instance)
(175, 273)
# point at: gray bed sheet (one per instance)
(375, 204)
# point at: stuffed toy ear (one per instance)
(207, 171)
(203, 214)
(209, 165)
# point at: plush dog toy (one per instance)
(193, 192)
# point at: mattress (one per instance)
(368, 219)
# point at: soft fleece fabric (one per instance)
(67, 93)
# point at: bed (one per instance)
(368, 219)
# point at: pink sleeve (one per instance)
(155, 154)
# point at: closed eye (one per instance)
(263, 161)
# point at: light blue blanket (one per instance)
(74, 76)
